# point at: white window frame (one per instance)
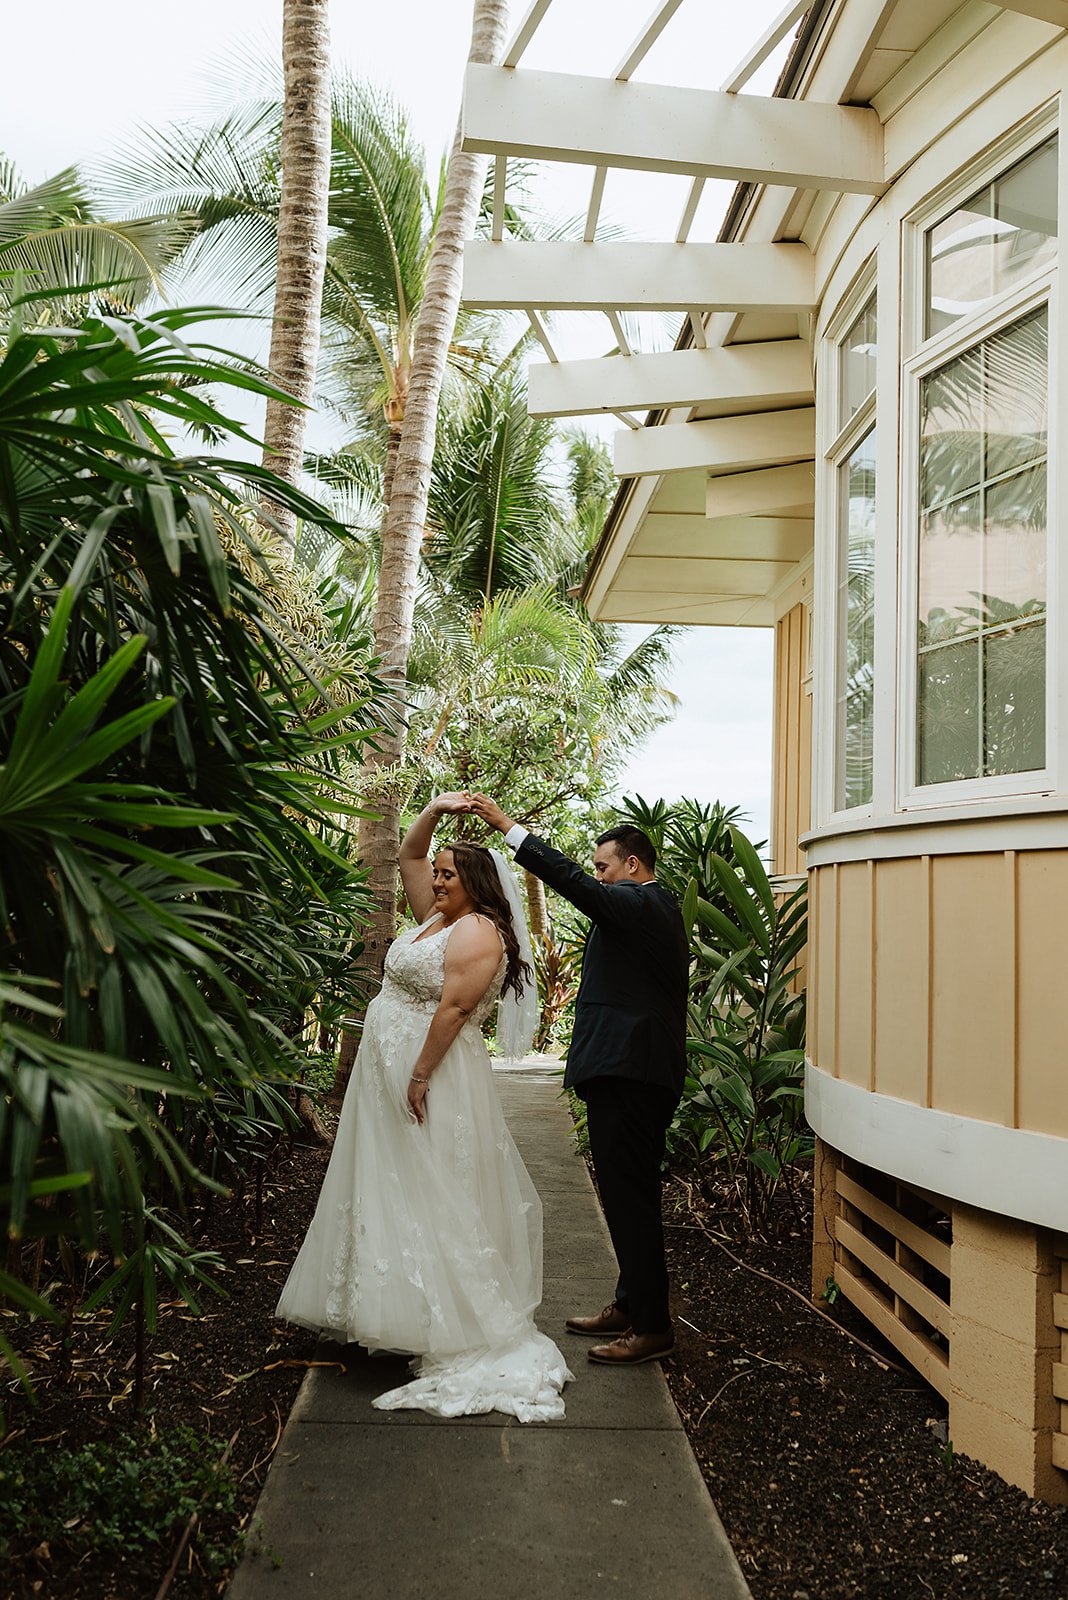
(842, 436)
(921, 356)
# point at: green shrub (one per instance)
(118, 1496)
(743, 1106)
(178, 728)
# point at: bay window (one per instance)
(980, 432)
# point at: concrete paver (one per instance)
(367, 1505)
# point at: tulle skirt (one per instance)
(428, 1238)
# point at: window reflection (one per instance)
(982, 568)
(1004, 232)
(857, 363)
(857, 624)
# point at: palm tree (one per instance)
(499, 516)
(59, 252)
(402, 533)
(382, 216)
(302, 225)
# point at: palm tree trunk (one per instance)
(402, 537)
(302, 217)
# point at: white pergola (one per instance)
(715, 511)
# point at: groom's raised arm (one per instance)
(613, 905)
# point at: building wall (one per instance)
(792, 756)
(938, 982)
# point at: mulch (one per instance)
(232, 1374)
(827, 1464)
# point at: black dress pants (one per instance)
(626, 1122)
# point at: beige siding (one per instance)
(792, 775)
(823, 941)
(856, 973)
(972, 994)
(939, 980)
(1042, 976)
(902, 942)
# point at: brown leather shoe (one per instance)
(632, 1348)
(610, 1320)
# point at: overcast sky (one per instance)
(146, 64)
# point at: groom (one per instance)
(626, 1061)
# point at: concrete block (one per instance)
(1004, 1295)
(1007, 1375)
(1020, 1455)
(1022, 1243)
(598, 1398)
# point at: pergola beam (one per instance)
(566, 276)
(774, 373)
(757, 440)
(600, 122)
(730, 538)
(769, 39)
(646, 39)
(525, 32)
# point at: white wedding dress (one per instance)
(429, 1238)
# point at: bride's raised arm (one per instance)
(415, 869)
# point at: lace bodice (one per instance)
(415, 971)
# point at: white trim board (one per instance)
(1008, 1171)
(1019, 825)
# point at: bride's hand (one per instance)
(417, 1088)
(453, 800)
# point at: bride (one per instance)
(428, 1232)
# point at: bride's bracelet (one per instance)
(414, 1079)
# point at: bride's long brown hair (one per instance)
(478, 874)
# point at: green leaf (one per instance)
(689, 904)
(765, 1162)
(743, 902)
(753, 868)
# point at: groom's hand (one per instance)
(490, 812)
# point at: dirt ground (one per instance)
(828, 1465)
(232, 1374)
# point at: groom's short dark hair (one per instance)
(631, 841)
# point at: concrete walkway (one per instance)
(371, 1505)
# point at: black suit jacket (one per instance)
(630, 1015)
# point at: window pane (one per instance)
(949, 713)
(857, 363)
(1015, 412)
(982, 559)
(951, 570)
(1014, 734)
(1025, 205)
(1014, 545)
(1005, 231)
(951, 456)
(857, 624)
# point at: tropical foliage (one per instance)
(224, 176)
(177, 726)
(55, 243)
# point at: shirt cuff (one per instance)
(515, 836)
